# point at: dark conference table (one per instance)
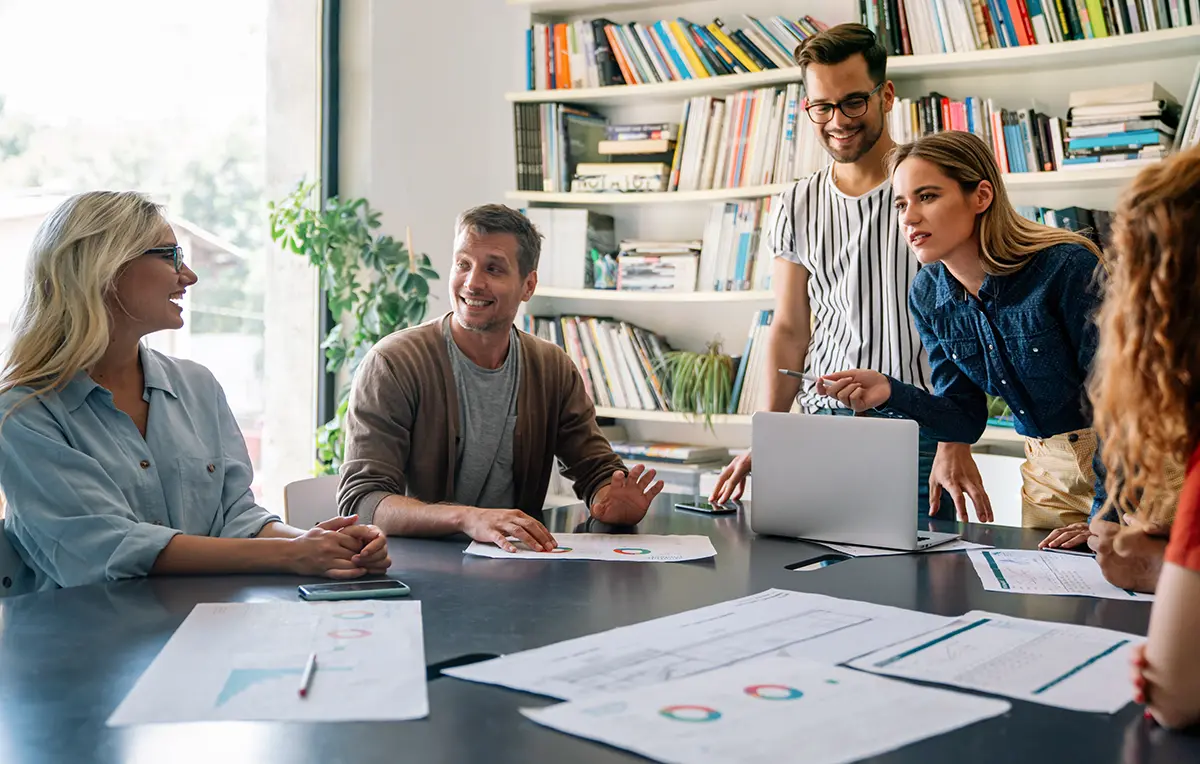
(68, 657)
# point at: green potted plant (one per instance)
(699, 383)
(374, 285)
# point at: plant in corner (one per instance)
(699, 383)
(373, 285)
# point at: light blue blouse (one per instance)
(90, 500)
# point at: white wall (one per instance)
(425, 130)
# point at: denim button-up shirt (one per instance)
(90, 500)
(1028, 338)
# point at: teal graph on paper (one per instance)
(241, 680)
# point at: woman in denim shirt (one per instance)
(1004, 307)
(117, 461)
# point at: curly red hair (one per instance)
(1146, 383)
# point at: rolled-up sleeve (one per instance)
(244, 518)
(64, 510)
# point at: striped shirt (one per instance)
(860, 270)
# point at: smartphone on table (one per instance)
(354, 590)
(708, 508)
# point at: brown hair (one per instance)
(1146, 385)
(498, 218)
(1006, 239)
(836, 44)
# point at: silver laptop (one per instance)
(849, 480)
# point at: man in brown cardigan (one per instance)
(454, 425)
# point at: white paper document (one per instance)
(1079, 667)
(245, 661)
(612, 547)
(774, 622)
(1021, 571)
(768, 710)
(957, 545)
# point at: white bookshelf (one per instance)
(613, 295)
(1041, 76)
(1146, 47)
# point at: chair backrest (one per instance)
(308, 502)
(12, 569)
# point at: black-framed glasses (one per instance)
(173, 253)
(852, 107)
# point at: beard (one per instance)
(867, 136)
(475, 325)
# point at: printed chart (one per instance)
(767, 710)
(1079, 667)
(607, 546)
(774, 622)
(370, 651)
(1025, 572)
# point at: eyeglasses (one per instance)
(172, 253)
(854, 106)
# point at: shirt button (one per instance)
(1003, 382)
(144, 464)
(992, 348)
(1073, 437)
(211, 468)
(1022, 411)
(1035, 350)
(954, 356)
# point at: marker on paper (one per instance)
(309, 670)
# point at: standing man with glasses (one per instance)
(842, 270)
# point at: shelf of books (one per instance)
(1120, 49)
(647, 197)
(665, 295)
(1071, 177)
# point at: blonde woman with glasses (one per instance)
(1004, 307)
(117, 461)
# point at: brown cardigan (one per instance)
(402, 426)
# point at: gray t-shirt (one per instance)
(487, 414)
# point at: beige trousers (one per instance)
(1058, 482)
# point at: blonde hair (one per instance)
(63, 323)
(1006, 239)
(1146, 387)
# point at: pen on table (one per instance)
(309, 670)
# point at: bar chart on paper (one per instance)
(245, 662)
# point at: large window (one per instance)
(181, 100)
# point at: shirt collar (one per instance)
(948, 287)
(154, 372)
(75, 392)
